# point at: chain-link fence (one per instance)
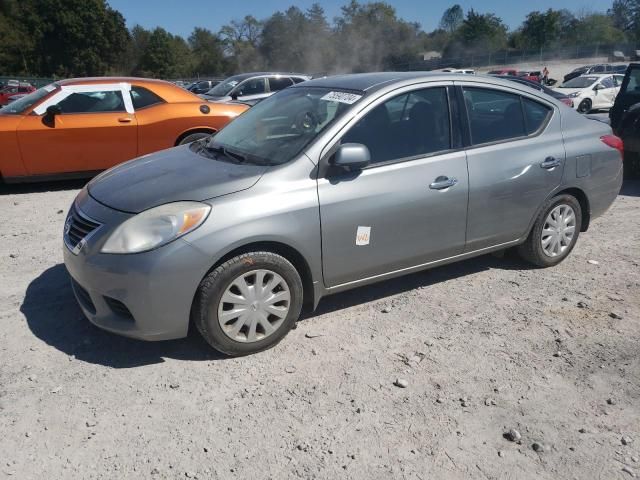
(475, 58)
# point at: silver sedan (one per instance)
(329, 185)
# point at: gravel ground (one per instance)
(481, 347)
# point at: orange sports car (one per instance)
(75, 128)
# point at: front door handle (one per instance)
(125, 120)
(550, 163)
(443, 182)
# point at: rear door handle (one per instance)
(125, 120)
(550, 163)
(443, 182)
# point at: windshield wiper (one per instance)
(226, 152)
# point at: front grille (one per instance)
(77, 227)
(119, 308)
(83, 297)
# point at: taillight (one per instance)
(613, 142)
(567, 101)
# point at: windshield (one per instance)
(22, 104)
(579, 82)
(278, 128)
(224, 88)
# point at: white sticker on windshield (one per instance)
(363, 235)
(342, 97)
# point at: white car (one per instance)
(592, 92)
(465, 71)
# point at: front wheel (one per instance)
(585, 106)
(554, 233)
(249, 303)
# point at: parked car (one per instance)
(250, 86)
(326, 186)
(465, 71)
(504, 71)
(625, 118)
(592, 92)
(11, 90)
(202, 86)
(532, 75)
(81, 126)
(541, 88)
(588, 70)
(15, 97)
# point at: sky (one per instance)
(180, 17)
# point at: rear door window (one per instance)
(535, 115)
(278, 83)
(494, 115)
(142, 98)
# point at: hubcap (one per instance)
(558, 231)
(254, 306)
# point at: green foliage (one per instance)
(452, 19)
(87, 37)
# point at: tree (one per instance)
(207, 51)
(484, 32)
(596, 28)
(71, 37)
(452, 19)
(371, 37)
(241, 39)
(164, 56)
(297, 40)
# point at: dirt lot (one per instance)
(485, 345)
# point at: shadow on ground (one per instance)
(426, 278)
(631, 188)
(40, 187)
(54, 317)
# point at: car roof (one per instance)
(244, 76)
(168, 91)
(370, 82)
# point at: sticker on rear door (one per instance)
(363, 235)
(342, 97)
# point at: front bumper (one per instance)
(146, 295)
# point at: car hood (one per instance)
(569, 91)
(176, 174)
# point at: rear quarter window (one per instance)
(536, 115)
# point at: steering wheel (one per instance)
(306, 122)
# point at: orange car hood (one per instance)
(168, 176)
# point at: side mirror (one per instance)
(598, 87)
(351, 156)
(234, 95)
(49, 118)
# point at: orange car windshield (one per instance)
(22, 104)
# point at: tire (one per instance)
(533, 251)
(223, 280)
(193, 137)
(631, 165)
(585, 106)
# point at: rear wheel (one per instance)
(585, 106)
(249, 303)
(554, 233)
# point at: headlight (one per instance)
(574, 94)
(156, 227)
